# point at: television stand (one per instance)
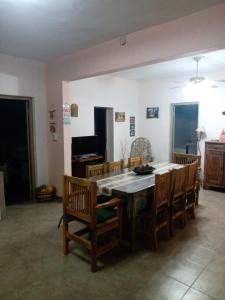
(79, 163)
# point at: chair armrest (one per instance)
(112, 202)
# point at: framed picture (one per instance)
(132, 120)
(132, 132)
(119, 116)
(52, 127)
(132, 126)
(152, 112)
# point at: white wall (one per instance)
(105, 91)
(22, 77)
(174, 39)
(159, 93)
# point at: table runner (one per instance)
(106, 185)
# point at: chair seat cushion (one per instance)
(105, 214)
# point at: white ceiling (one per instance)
(46, 29)
(212, 62)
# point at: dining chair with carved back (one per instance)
(114, 166)
(134, 161)
(158, 216)
(186, 159)
(102, 222)
(95, 170)
(191, 188)
(178, 197)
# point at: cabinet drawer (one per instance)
(219, 147)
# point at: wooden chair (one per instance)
(95, 170)
(178, 197)
(186, 159)
(102, 221)
(190, 188)
(134, 161)
(114, 166)
(159, 215)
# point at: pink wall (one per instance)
(200, 32)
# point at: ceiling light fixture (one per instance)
(197, 79)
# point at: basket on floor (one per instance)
(44, 193)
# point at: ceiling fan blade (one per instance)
(178, 86)
(179, 81)
(220, 80)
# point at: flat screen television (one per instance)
(83, 145)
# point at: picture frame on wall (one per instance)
(119, 116)
(152, 112)
(132, 120)
(132, 132)
(132, 125)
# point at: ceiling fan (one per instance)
(199, 79)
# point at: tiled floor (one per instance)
(190, 266)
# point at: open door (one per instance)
(184, 125)
(16, 151)
(103, 118)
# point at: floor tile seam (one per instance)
(185, 293)
(195, 263)
(201, 272)
(204, 293)
(171, 277)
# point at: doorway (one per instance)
(103, 121)
(16, 155)
(184, 125)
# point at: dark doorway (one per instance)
(100, 129)
(15, 150)
(185, 123)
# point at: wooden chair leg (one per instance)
(154, 240)
(196, 197)
(193, 211)
(120, 225)
(65, 240)
(93, 252)
(171, 226)
(93, 261)
(184, 219)
(193, 202)
(168, 230)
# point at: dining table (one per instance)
(134, 189)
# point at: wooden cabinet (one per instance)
(214, 175)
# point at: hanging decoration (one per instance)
(74, 110)
(52, 122)
(132, 126)
(66, 114)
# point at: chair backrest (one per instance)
(186, 159)
(95, 170)
(79, 197)
(192, 176)
(179, 181)
(134, 161)
(114, 166)
(162, 191)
